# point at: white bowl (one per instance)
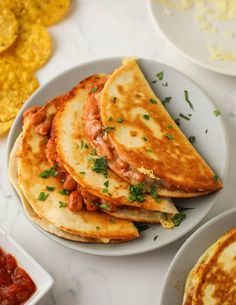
(189, 253)
(213, 145)
(41, 278)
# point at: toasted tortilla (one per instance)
(167, 155)
(212, 279)
(31, 162)
(77, 157)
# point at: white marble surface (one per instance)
(93, 29)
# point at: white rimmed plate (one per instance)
(41, 278)
(189, 253)
(180, 29)
(213, 144)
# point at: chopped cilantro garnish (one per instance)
(153, 101)
(82, 173)
(90, 158)
(110, 119)
(62, 204)
(206, 131)
(94, 89)
(97, 228)
(100, 166)
(93, 152)
(42, 196)
(191, 139)
(169, 136)
(216, 112)
(190, 114)
(177, 122)
(137, 192)
(83, 144)
(154, 81)
(165, 216)
(146, 116)
(166, 100)
(106, 184)
(178, 218)
(45, 140)
(51, 172)
(155, 237)
(160, 75)
(106, 130)
(187, 99)
(170, 126)
(184, 116)
(50, 188)
(104, 207)
(148, 150)
(120, 120)
(105, 190)
(164, 84)
(144, 138)
(154, 194)
(215, 178)
(114, 99)
(64, 192)
(141, 226)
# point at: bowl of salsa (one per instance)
(22, 279)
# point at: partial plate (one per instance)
(179, 28)
(202, 120)
(190, 252)
(41, 278)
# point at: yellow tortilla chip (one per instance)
(41, 12)
(33, 46)
(14, 77)
(8, 29)
(5, 126)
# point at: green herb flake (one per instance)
(169, 136)
(190, 114)
(154, 81)
(110, 119)
(105, 190)
(106, 130)
(137, 192)
(141, 227)
(191, 139)
(166, 100)
(42, 196)
(50, 188)
(146, 116)
(153, 101)
(82, 173)
(144, 138)
(184, 116)
(120, 120)
(114, 99)
(94, 89)
(101, 166)
(154, 194)
(160, 75)
(97, 228)
(164, 84)
(178, 218)
(93, 152)
(216, 112)
(155, 237)
(62, 204)
(206, 131)
(165, 216)
(177, 122)
(215, 178)
(105, 207)
(45, 140)
(64, 192)
(148, 150)
(51, 172)
(90, 158)
(170, 126)
(106, 184)
(187, 99)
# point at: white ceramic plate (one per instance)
(179, 28)
(41, 278)
(189, 253)
(213, 145)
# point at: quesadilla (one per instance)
(212, 279)
(140, 145)
(88, 169)
(43, 185)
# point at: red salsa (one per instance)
(16, 286)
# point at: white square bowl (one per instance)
(41, 278)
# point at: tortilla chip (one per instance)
(33, 46)
(8, 29)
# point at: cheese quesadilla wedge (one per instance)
(142, 138)
(85, 166)
(212, 279)
(43, 186)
